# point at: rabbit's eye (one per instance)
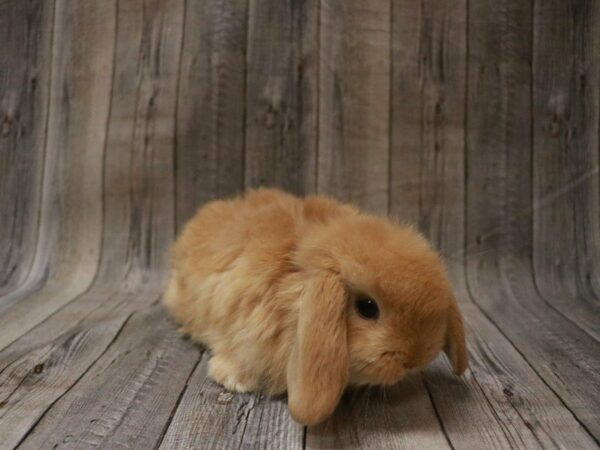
(367, 308)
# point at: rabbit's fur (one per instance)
(268, 282)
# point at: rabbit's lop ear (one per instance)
(317, 369)
(455, 346)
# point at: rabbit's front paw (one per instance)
(221, 370)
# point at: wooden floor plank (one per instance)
(210, 417)
(560, 353)
(127, 397)
(282, 95)
(399, 417)
(210, 113)
(501, 402)
(41, 366)
(32, 380)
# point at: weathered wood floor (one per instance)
(477, 121)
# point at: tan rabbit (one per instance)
(310, 296)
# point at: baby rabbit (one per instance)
(309, 296)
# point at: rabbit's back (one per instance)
(264, 226)
(223, 230)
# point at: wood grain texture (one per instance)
(37, 370)
(427, 114)
(210, 113)
(566, 100)
(210, 417)
(137, 218)
(26, 33)
(128, 395)
(281, 94)
(499, 219)
(354, 102)
(477, 121)
(501, 400)
(399, 417)
(69, 242)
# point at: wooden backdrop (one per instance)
(477, 120)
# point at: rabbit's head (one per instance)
(376, 304)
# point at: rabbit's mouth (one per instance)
(386, 369)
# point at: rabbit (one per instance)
(310, 296)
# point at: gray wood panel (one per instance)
(210, 112)
(429, 46)
(354, 102)
(281, 94)
(26, 34)
(566, 98)
(69, 242)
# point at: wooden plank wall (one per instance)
(476, 120)
(24, 108)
